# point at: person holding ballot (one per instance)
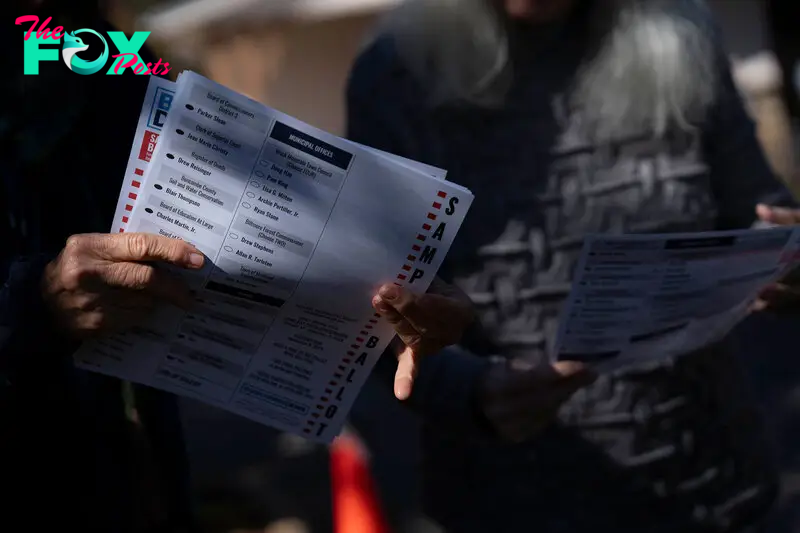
(72, 454)
(570, 117)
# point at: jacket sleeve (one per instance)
(741, 176)
(383, 112)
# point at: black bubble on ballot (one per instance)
(148, 210)
(190, 107)
(179, 132)
(170, 156)
(157, 186)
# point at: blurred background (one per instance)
(294, 55)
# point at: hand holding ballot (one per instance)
(299, 229)
(783, 296)
(425, 323)
(101, 283)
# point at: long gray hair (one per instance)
(651, 65)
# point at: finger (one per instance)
(574, 372)
(406, 372)
(156, 282)
(102, 321)
(779, 298)
(407, 333)
(140, 247)
(432, 315)
(387, 311)
(778, 215)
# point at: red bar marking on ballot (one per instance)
(129, 207)
(412, 258)
(139, 172)
(132, 195)
(136, 184)
(332, 383)
(368, 327)
(372, 320)
(426, 227)
(431, 216)
(359, 339)
(342, 367)
(416, 248)
(323, 399)
(355, 346)
(121, 230)
(306, 430)
(406, 267)
(400, 276)
(124, 220)
(345, 360)
(437, 205)
(328, 391)
(398, 284)
(420, 237)
(377, 315)
(310, 422)
(442, 194)
(364, 332)
(351, 353)
(148, 146)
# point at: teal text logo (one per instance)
(37, 48)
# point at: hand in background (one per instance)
(784, 296)
(781, 216)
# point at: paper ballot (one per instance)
(640, 298)
(154, 114)
(299, 228)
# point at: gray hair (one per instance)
(651, 66)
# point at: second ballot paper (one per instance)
(300, 228)
(640, 299)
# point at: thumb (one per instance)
(574, 374)
(406, 372)
(778, 215)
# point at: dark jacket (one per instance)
(678, 447)
(71, 458)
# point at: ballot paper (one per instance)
(637, 299)
(300, 228)
(155, 110)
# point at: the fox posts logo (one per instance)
(72, 43)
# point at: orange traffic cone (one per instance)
(356, 508)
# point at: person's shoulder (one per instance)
(379, 72)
